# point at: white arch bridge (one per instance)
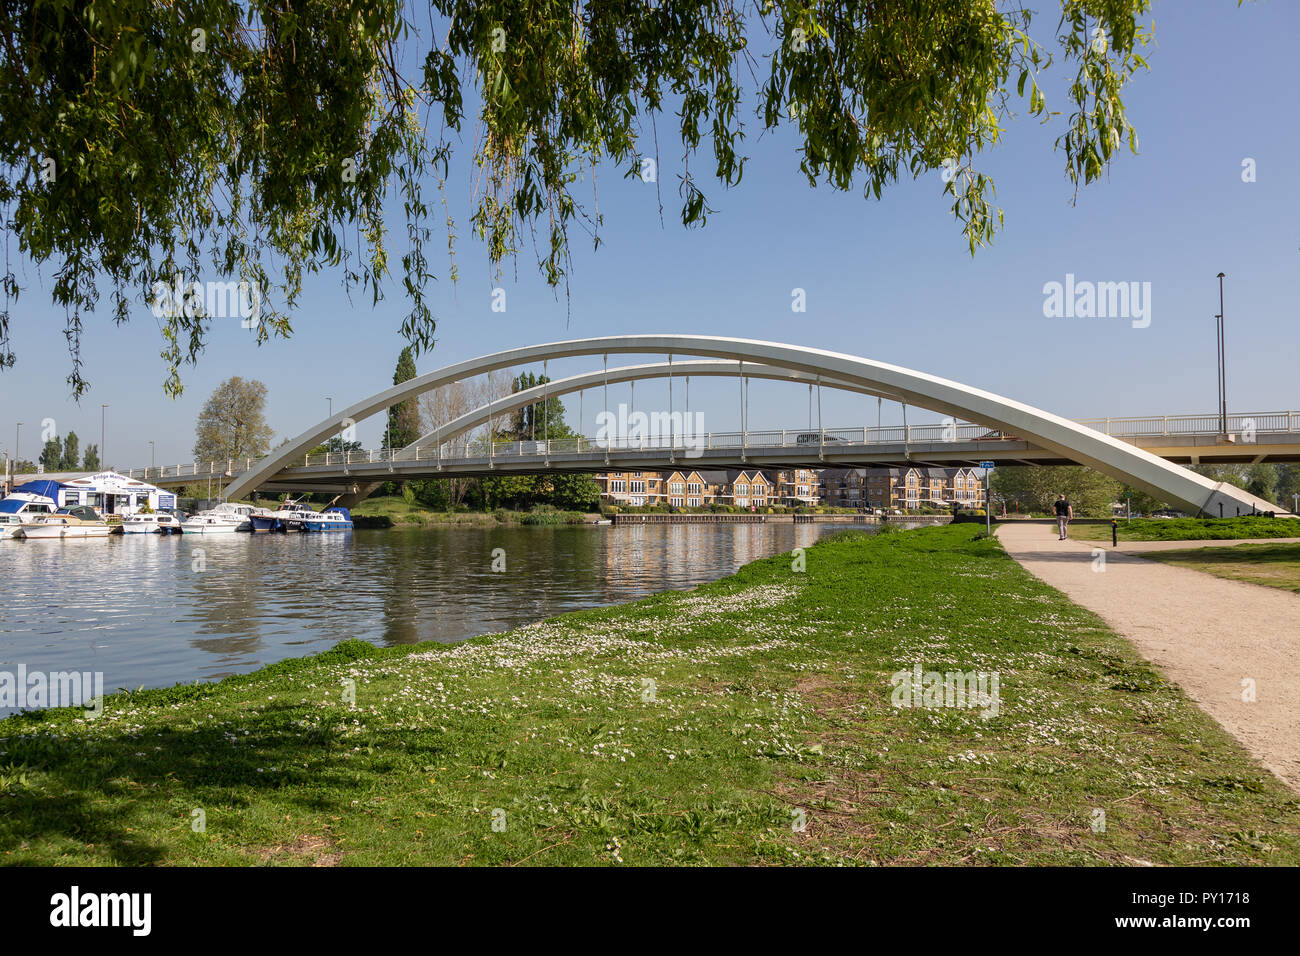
(1003, 430)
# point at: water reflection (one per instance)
(153, 611)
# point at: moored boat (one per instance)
(263, 520)
(225, 518)
(296, 520)
(79, 521)
(331, 519)
(22, 508)
(156, 522)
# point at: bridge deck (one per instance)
(1189, 439)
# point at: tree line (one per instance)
(65, 455)
(1027, 489)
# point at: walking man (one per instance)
(1064, 512)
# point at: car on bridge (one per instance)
(816, 438)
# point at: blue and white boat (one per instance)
(331, 519)
(27, 503)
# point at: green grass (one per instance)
(686, 728)
(1190, 529)
(1272, 565)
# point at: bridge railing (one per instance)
(800, 438)
(1151, 426)
(1158, 426)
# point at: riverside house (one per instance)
(744, 488)
(902, 488)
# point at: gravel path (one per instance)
(1206, 633)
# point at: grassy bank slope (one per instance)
(1272, 565)
(702, 727)
(1190, 529)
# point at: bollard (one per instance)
(1114, 533)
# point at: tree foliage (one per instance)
(71, 457)
(63, 454)
(1271, 482)
(51, 454)
(232, 424)
(537, 421)
(147, 142)
(1035, 489)
(404, 417)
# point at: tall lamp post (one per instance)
(329, 399)
(151, 454)
(1223, 381)
(103, 454)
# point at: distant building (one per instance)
(902, 488)
(858, 488)
(744, 488)
(798, 486)
(108, 492)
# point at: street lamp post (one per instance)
(330, 399)
(1223, 381)
(151, 459)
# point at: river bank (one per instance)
(750, 720)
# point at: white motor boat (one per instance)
(79, 521)
(21, 508)
(225, 518)
(154, 522)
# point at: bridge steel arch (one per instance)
(482, 415)
(615, 376)
(1111, 456)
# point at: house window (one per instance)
(617, 486)
(694, 488)
(638, 487)
(676, 488)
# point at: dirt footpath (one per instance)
(1206, 633)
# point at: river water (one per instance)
(153, 611)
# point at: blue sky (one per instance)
(892, 280)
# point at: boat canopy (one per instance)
(46, 488)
